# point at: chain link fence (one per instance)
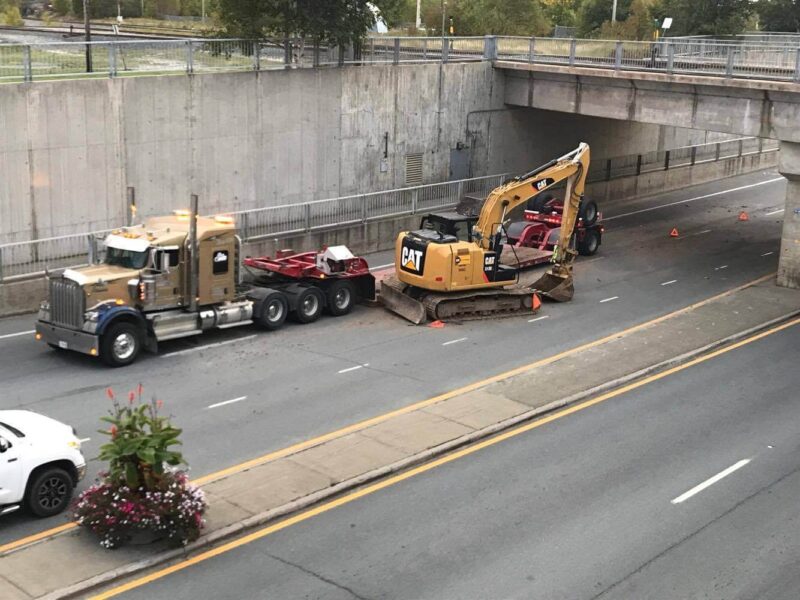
(22, 260)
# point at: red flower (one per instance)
(113, 431)
(139, 390)
(159, 403)
(110, 393)
(131, 397)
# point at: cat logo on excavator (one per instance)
(411, 259)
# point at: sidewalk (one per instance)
(307, 473)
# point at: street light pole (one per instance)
(614, 12)
(87, 28)
(444, 12)
(419, 14)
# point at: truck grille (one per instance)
(67, 303)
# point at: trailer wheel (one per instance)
(120, 344)
(588, 212)
(538, 201)
(590, 243)
(341, 297)
(309, 305)
(272, 311)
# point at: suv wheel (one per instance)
(49, 492)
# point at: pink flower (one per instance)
(131, 397)
(110, 393)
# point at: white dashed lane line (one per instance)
(768, 253)
(218, 404)
(720, 268)
(710, 481)
(775, 212)
(13, 335)
(455, 341)
(670, 282)
(348, 370)
(609, 299)
(538, 319)
(207, 346)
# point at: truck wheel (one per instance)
(272, 311)
(588, 212)
(590, 243)
(309, 305)
(49, 492)
(341, 297)
(538, 201)
(120, 344)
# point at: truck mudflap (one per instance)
(67, 339)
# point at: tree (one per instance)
(779, 15)
(501, 17)
(561, 12)
(593, 13)
(708, 17)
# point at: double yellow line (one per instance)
(370, 489)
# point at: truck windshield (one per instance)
(125, 258)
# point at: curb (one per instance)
(381, 472)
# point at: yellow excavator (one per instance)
(439, 276)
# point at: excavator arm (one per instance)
(573, 167)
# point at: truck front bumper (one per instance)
(68, 339)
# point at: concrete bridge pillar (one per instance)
(789, 263)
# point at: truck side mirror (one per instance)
(164, 262)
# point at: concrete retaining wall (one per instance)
(68, 149)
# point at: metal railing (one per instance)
(731, 59)
(22, 260)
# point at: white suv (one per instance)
(40, 463)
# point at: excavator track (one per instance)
(417, 305)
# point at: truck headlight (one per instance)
(91, 315)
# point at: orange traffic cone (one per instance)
(743, 216)
(537, 303)
(437, 324)
(674, 232)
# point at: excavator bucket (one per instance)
(394, 298)
(556, 284)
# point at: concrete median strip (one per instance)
(293, 480)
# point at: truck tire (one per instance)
(538, 201)
(309, 305)
(48, 492)
(120, 344)
(341, 298)
(590, 243)
(588, 212)
(272, 311)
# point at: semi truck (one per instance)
(180, 275)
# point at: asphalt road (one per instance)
(304, 381)
(683, 488)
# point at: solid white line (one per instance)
(215, 345)
(736, 189)
(538, 319)
(767, 253)
(775, 212)
(354, 368)
(239, 399)
(720, 268)
(11, 335)
(454, 341)
(709, 482)
(379, 267)
(609, 299)
(670, 282)
(84, 440)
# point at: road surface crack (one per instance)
(317, 576)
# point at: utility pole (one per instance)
(614, 12)
(419, 14)
(87, 28)
(444, 12)
(203, 11)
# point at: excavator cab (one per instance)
(456, 226)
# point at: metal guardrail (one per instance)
(22, 260)
(731, 59)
